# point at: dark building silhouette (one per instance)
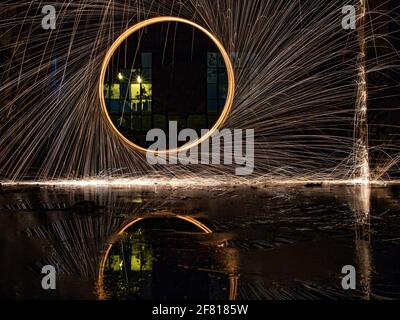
(384, 84)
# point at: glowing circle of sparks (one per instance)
(100, 280)
(233, 279)
(229, 68)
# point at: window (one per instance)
(129, 97)
(217, 84)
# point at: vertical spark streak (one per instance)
(361, 156)
(362, 209)
(362, 199)
(360, 202)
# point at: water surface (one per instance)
(219, 243)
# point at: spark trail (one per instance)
(300, 79)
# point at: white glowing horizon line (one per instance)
(129, 182)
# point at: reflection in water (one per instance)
(362, 209)
(286, 243)
(361, 200)
(133, 267)
(363, 252)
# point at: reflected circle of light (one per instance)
(229, 98)
(233, 280)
